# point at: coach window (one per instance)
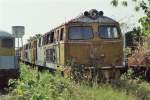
(80, 33)
(61, 34)
(7, 43)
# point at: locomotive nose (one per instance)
(95, 54)
(106, 54)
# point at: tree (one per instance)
(143, 5)
(37, 36)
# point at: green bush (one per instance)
(34, 85)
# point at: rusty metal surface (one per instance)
(96, 51)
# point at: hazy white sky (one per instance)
(39, 16)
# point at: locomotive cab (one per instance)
(96, 43)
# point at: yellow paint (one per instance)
(7, 51)
(95, 51)
(62, 53)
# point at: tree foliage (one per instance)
(37, 36)
(145, 25)
(143, 5)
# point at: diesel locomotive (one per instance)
(91, 40)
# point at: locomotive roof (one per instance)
(5, 34)
(83, 18)
(100, 19)
(93, 15)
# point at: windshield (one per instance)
(80, 33)
(108, 32)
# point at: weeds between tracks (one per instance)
(35, 85)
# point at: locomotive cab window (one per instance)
(7, 43)
(47, 38)
(61, 34)
(57, 35)
(52, 37)
(43, 40)
(80, 33)
(109, 32)
(39, 44)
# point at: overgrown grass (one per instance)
(34, 85)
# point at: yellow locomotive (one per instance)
(91, 40)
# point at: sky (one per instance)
(40, 16)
